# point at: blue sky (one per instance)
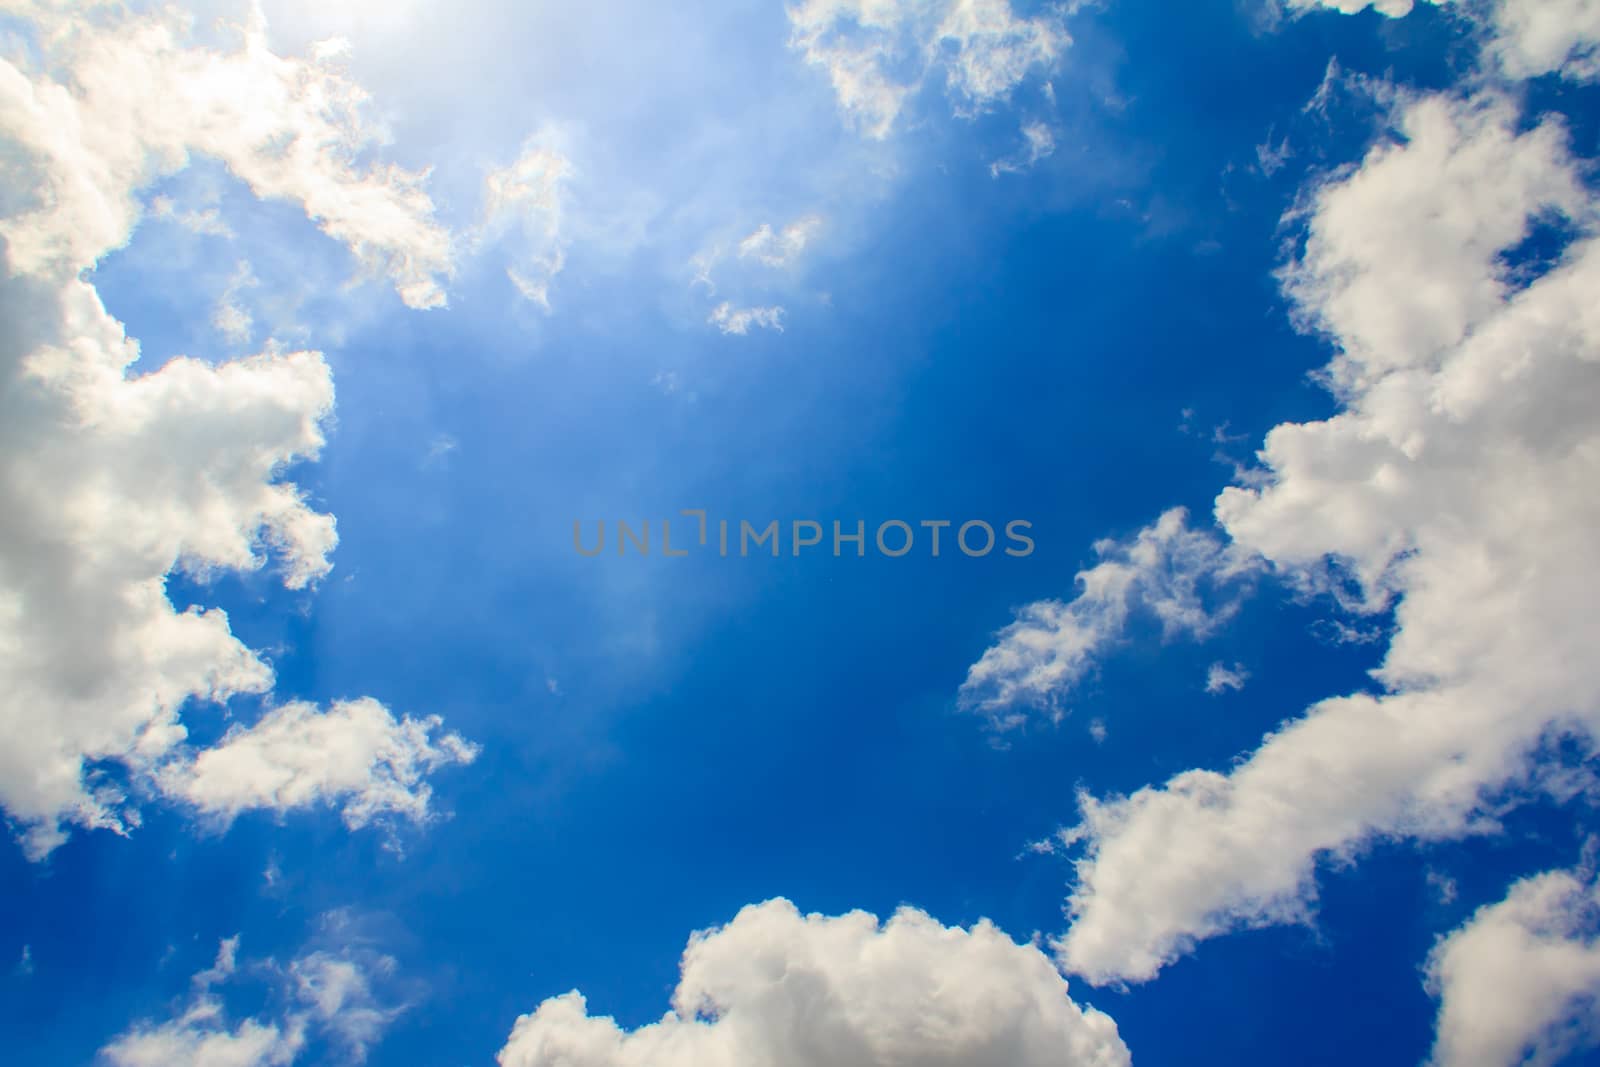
(1271, 321)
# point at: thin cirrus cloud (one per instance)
(741, 320)
(111, 482)
(780, 248)
(1188, 579)
(878, 54)
(230, 317)
(526, 197)
(790, 990)
(1038, 142)
(761, 252)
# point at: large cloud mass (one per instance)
(109, 482)
(776, 988)
(1520, 981)
(1453, 486)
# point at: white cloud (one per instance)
(781, 989)
(198, 1038)
(879, 53)
(229, 316)
(117, 101)
(1190, 580)
(337, 994)
(527, 196)
(224, 967)
(1520, 981)
(1453, 486)
(1445, 888)
(1271, 158)
(440, 449)
(737, 320)
(108, 482)
(1221, 678)
(1039, 142)
(765, 247)
(736, 130)
(1392, 8)
(1533, 37)
(1526, 38)
(326, 994)
(355, 754)
(994, 50)
(206, 221)
(780, 248)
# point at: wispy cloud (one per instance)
(739, 321)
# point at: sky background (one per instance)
(1082, 341)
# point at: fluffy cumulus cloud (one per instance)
(109, 482)
(1539, 36)
(1520, 982)
(324, 996)
(355, 754)
(879, 53)
(1453, 487)
(783, 989)
(114, 102)
(1188, 579)
(199, 1038)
